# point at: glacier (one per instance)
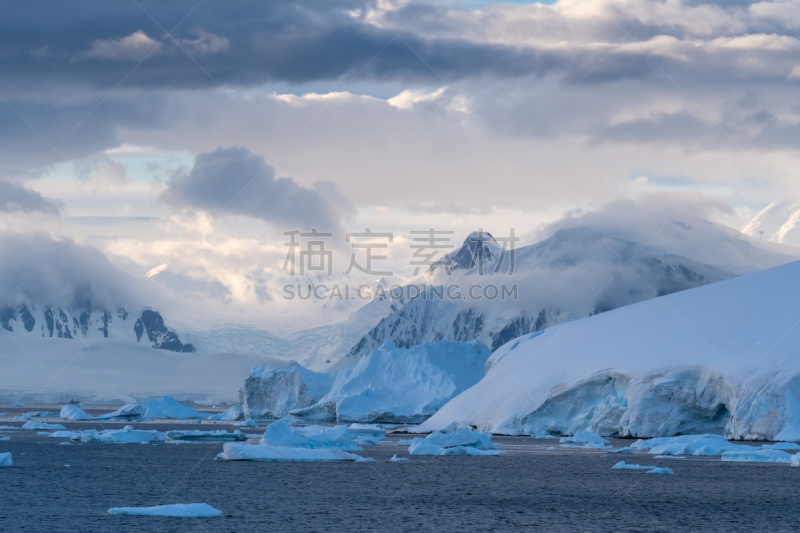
(399, 385)
(719, 359)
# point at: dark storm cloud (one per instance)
(15, 197)
(97, 45)
(234, 181)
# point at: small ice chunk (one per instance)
(571, 446)
(622, 465)
(177, 509)
(462, 437)
(796, 459)
(584, 437)
(669, 457)
(41, 425)
(128, 435)
(5, 438)
(661, 470)
(365, 460)
(404, 442)
(73, 412)
(758, 456)
(552, 448)
(5, 459)
(237, 451)
(396, 459)
(233, 413)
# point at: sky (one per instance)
(176, 143)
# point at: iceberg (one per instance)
(269, 393)
(758, 456)
(167, 407)
(201, 510)
(706, 370)
(5, 459)
(73, 412)
(233, 413)
(399, 385)
(396, 459)
(367, 440)
(661, 470)
(622, 465)
(197, 435)
(235, 451)
(795, 460)
(129, 410)
(437, 443)
(281, 434)
(41, 425)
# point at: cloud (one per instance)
(234, 181)
(15, 197)
(134, 47)
(36, 269)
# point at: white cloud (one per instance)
(134, 47)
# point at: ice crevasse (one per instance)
(719, 359)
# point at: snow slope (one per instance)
(576, 272)
(678, 364)
(114, 372)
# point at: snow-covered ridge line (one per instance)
(49, 322)
(716, 359)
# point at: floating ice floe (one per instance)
(625, 450)
(233, 413)
(127, 411)
(584, 437)
(280, 433)
(404, 442)
(436, 442)
(5, 438)
(689, 445)
(5, 459)
(661, 470)
(239, 451)
(166, 407)
(758, 456)
(372, 430)
(367, 440)
(177, 509)
(782, 446)
(669, 457)
(622, 465)
(197, 435)
(127, 435)
(41, 425)
(467, 450)
(73, 412)
(396, 459)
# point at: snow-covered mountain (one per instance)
(577, 272)
(146, 326)
(724, 358)
(778, 222)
